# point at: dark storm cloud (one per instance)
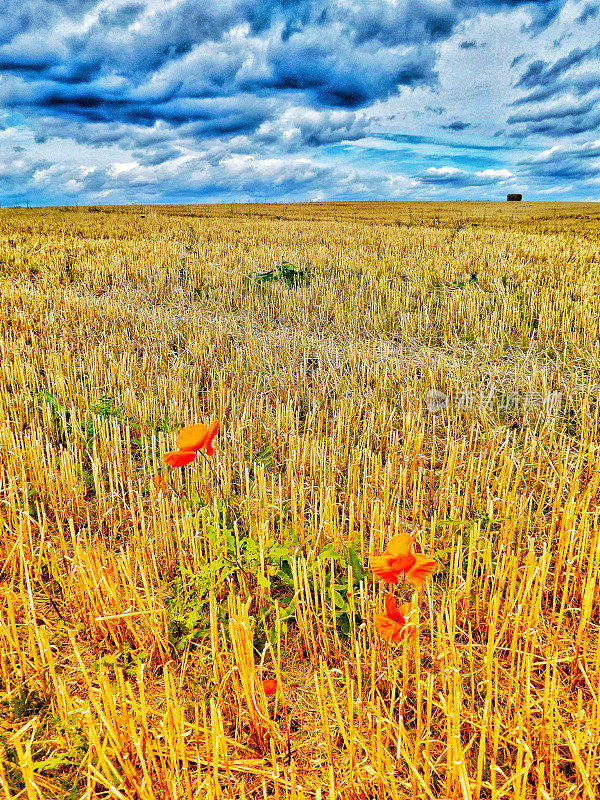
(457, 125)
(559, 122)
(551, 109)
(555, 81)
(540, 73)
(555, 112)
(113, 45)
(210, 116)
(393, 25)
(327, 54)
(344, 80)
(569, 162)
(541, 12)
(335, 56)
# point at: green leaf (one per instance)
(353, 560)
(344, 624)
(278, 551)
(289, 610)
(54, 762)
(285, 579)
(230, 541)
(262, 581)
(251, 550)
(327, 552)
(53, 402)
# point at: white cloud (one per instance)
(546, 154)
(495, 174)
(118, 168)
(274, 170)
(441, 171)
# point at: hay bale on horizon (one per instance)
(514, 196)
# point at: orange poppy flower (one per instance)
(198, 437)
(420, 570)
(270, 686)
(392, 625)
(179, 458)
(398, 557)
(191, 439)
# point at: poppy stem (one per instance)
(172, 488)
(213, 470)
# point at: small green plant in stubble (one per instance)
(473, 279)
(28, 708)
(261, 570)
(101, 410)
(46, 406)
(285, 273)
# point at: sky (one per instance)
(182, 101)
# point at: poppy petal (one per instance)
(391, 630)
(190, 437)
(384, 567)
(385, 627)
(400, 546)
(395, 631)
(420, 570)
(391, 609)
(206, 441)
(179, 458)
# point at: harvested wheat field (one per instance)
(382, 583)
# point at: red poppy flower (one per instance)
(420, 570)
(191, 439)
(198, 437)
(179, 458)
(393, 625)
(398, 557)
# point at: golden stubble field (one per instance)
(142, 608)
